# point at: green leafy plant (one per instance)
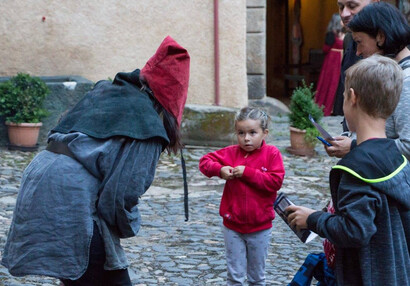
(301, 105)
(22, 98)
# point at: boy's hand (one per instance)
(238, 171)
(298, 216)
(340, 147)
(226, 173)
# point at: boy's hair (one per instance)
(377, 82)
(386, 18)
(254, 114)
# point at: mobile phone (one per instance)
(322, 131)
(323, 141)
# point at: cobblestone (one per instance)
(170, 251)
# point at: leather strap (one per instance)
(59, 148)
(185, 186)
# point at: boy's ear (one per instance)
(353, 96)
(266, 131)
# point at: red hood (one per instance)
(167, 74)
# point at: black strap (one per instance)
(59, 148)
(185, 187)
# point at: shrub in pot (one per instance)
(303, 133)
(21, 104)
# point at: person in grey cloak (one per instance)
(80, 196)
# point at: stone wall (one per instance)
(76, 38)
(256, 48)
(208, 125)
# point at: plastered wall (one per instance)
(97, 39)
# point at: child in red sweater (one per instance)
(254, 173)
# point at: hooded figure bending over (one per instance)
(80, 196)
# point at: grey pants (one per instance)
(246, 256)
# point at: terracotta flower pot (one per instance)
(298, 144)
(23, 134)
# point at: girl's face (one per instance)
(366, 45)
(250, 134)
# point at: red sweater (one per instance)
(247, 202)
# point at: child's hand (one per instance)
(298, 216)
(340, 147)
(226, 173)
(238, 171)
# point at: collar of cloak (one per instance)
(118, 108)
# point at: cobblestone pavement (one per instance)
(170, 251)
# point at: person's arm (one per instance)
(340, 146)
(353, 225)
(270, 178)
(214, 164)
(329, 41)
(397, 126)
(128, 170)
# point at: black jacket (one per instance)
(349, 59)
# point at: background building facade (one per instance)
(96, 39)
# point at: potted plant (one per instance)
(21, 104)
(302, 132)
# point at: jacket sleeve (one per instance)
(210, 164)
(397, 125)
(269, 179)
(353, 224)
(127, 176)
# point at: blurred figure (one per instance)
(330, 73)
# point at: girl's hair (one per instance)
(169, 121)
(335, 24)
(254, 114)
(386, 18)
(171, 127)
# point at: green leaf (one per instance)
(301, 105)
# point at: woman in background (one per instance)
(330, 72)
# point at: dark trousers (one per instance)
(95, 275)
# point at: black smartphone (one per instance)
(323, 141)
(325, 135)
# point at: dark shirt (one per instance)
(349, 59)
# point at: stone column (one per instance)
(256, 48)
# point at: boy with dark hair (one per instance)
(370, 186)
